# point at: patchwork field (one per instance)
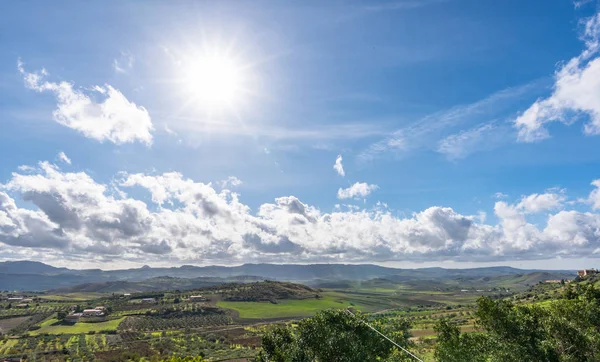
(53, 326)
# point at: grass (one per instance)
(73, 296)
(285, 308)
(50, 326)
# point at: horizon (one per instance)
(450, 133)
(437, 265)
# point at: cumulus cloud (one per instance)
(357, 191)
(71, 215)
(500, 195)
(338, 167)
(100, 113)
(576, 92)
(63, 158)
(535, 203)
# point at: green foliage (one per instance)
(334, 336)
(456, 347)
(61, 315)
(183, 359)
(564, 330)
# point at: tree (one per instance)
(61, 315)
(566, 330)
(456, 347)
(280, 344)
(335, 336)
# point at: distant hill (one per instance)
(29, 267)
(152, 284)
(450, 281)
(35, 276)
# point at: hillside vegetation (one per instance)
(267, 291)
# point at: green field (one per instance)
(285, 308)
(72, 296)
(50, 326)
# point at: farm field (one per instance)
(285, 308)
(72, 296)
(9, 323)
(52, 326)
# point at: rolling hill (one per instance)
(37, 276)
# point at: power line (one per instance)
(386, 337)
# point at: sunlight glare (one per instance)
(214, 81)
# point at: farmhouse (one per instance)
(148, 300)
(15, 299)
(197, 298)
(586, 272)
(22, 305)
(73, 318)
(92, 313)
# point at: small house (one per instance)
(73, 318)
(15, 299)
(149, 300)
(22, 305)
(100, 307)
(197, 298)
(586, 272)
(92, 313)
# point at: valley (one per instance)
(223, 318)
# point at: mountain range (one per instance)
(36, 276)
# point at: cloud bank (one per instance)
(70, 215)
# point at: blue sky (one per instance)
(467, 130)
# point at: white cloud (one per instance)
(481, 137)
(541, 202)
(114, 118)
(437, 128)
(124, 63)
(576, 93)
(231, 181)
(338, 167)
(594, 198)
(63, 158)
(500, 195)
(357, 191)
(580, 3)
(26, 168)
(71, 216)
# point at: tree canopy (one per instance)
(562, 330)
(335, 336)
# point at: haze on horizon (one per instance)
(452, 133)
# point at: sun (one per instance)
(214, 81)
